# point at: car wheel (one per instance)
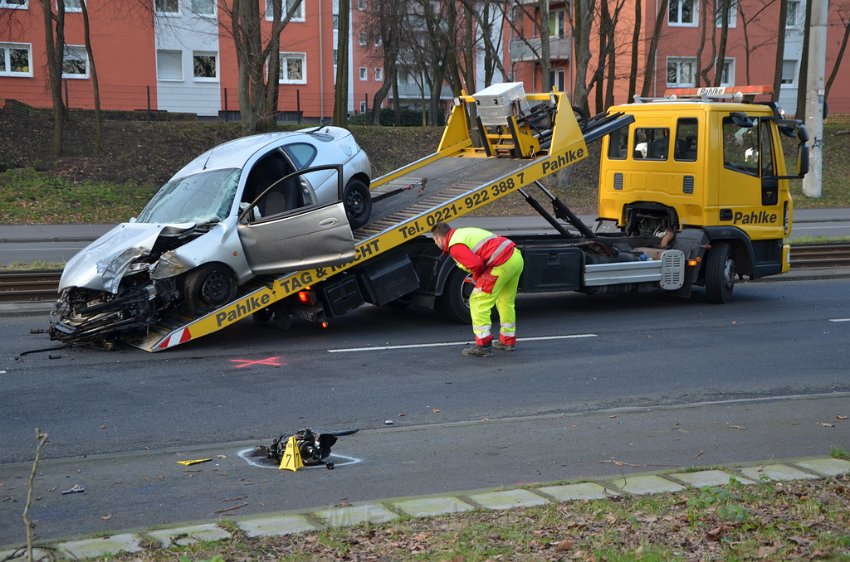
(454, 302)
(209, 286)
(719, 273)
(358, 203)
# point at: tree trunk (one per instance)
(720, 62)
(545, 50)
(98, 116)
(711, 59)
(649, 74)
(635, 52)
(581, 31)
(602, 58)
(703, 32)
(802, 79)
(780, 49)
(55, 46)
(340, 116)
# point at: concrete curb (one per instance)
(382, 511)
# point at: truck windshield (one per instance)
(199, 198)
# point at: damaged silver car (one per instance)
(259, 205)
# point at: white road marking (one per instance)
(2, 372)
(243, 454)
(451, 343)
(816, 227)
(839, 319)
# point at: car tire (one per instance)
(719, 273)
(454, 302)
(358, 203)
(208, 286)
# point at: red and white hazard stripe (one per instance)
(175, 338)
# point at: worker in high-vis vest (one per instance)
(495, 264)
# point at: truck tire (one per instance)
(719, 273)
(358, 203)
(454, 302)
(208, 286)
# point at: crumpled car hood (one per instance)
(101, 265)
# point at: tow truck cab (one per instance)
(705, 159)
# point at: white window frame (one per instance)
(298, 17)
(282, 79)
(362, 39)
(680, 23)
(678, 61)
(361, 5)
(7, 59)
(180, 57)
(364, 73)
(558, 17)
(162, 13)
(362, 107)
(80, 51)
(731, 62)
(72, 9)
(798, 11)
(5, 4)
(378, 42)
(196, 54)
(733, 15)
(379, 74)
(212, 14)
(794, 74)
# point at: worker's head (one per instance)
(440, 232)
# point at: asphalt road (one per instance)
(597, 386)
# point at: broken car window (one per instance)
(199, 198)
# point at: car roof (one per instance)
(238, 152)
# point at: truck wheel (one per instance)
(282, 315)
(454, 302)
(358, 203)
(209, 286)
(719, 273)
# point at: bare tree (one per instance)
(802, 79)
(720, 63)
(54, 35)
(844, 15)
(98, 116)
(635, 52)
(583, 18)
(384, 24)
(780, 48)
(703, 27)
(649, 72)
(340, 115)
(750, 48)
(258, 93)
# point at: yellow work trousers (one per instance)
(496, 287)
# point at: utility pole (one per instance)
(812, 183)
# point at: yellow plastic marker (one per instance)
(194, 461)
(291, 459)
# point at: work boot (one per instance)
(479, 351)
(504, 346)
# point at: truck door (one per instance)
(278, 237)
(747, 190)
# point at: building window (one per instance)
(298, 15)
(733, 13)
(167, 6)
(403, 76)
(364, 73)
(556, 78)
(557, 25)
(293, 68)
(789, 72)
(205, 66)
(362, 107)
(169, 65)
(379, 75)
(15, 59)
(336, 21)
(73, 6)
(362, 39)
(361, 5)
(794, 14)
(14, 4)
(203, 7)
(75, 62)
(727, 73)
(378, 42)
(681, 72)
(683, 13)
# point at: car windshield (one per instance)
(199, 198)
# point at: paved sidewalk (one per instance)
(286, 523)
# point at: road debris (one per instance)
(193, 461)
(312, 448)
(75, 489)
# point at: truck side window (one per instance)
(651, 144)
(686, 140)
(740, 146)
(618, 144)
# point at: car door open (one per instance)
(278, 236)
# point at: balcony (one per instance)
(524, 50)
